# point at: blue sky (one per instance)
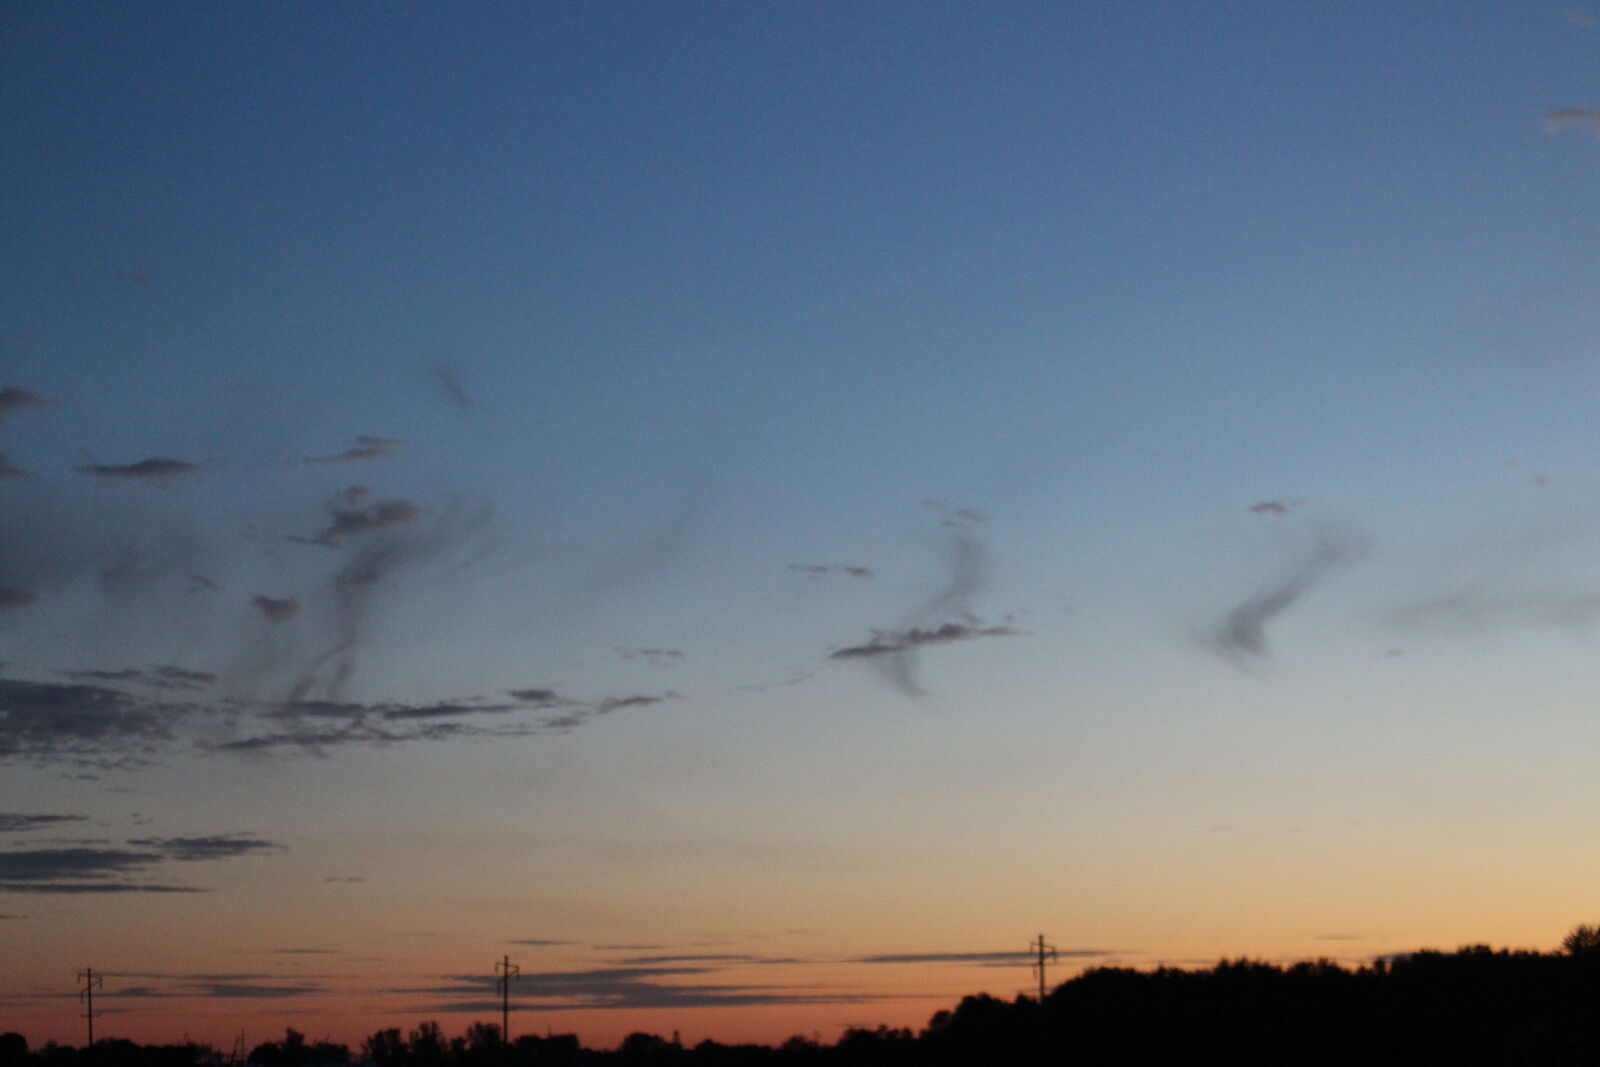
(1208, 390)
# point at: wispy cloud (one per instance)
(161, 677)
(16, 598)
(276, 609)
(80, 888)
(1480, 608)
(350, 519)
(944, 619)
(1587, 118)
(214, 847)
(711, 959)
(16, 822)
(450, 386)
(7, 470)
(627, 988)
(316, 726)
(651, 655)
(817, 570)
(222, 989)
(891, 642)
(364, 448)
(15, 398)
(1241, 636)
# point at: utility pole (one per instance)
(507, 971)
(90, 984)
(1041, 951)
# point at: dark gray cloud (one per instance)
(79, 888)
(335, 879)
(890, 642)
(1587, 118)
(1241, 637)
(276, 609)
(7, 470)
(610, 704)
(304, 951)
(116, 870)
(16, 598)
(15, 398)
(47, 722)
(545, 697)
(1270, 507)
(213, 847)
(45, 864)
(817, 570)
(358, 521)
(364, 448)
(18, 822)
(149, 470)
(538, 942)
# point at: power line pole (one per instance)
(507, 971)
(1041, 950)
(90, 984)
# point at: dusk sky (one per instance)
(755, 511)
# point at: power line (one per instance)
(507, 971)
(1041, 951)
(86, 994)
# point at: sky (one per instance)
(754, 512)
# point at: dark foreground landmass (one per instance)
(1472, 1006)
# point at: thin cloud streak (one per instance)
(364, 448)
(148, 470)
(16, 822)
(1587, 118)
(817, 570)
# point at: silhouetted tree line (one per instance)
(1472, 1006)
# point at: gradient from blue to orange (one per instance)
(1208, 390)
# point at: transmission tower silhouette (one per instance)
(507, 971)
(86, 994)
(1041, 951)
